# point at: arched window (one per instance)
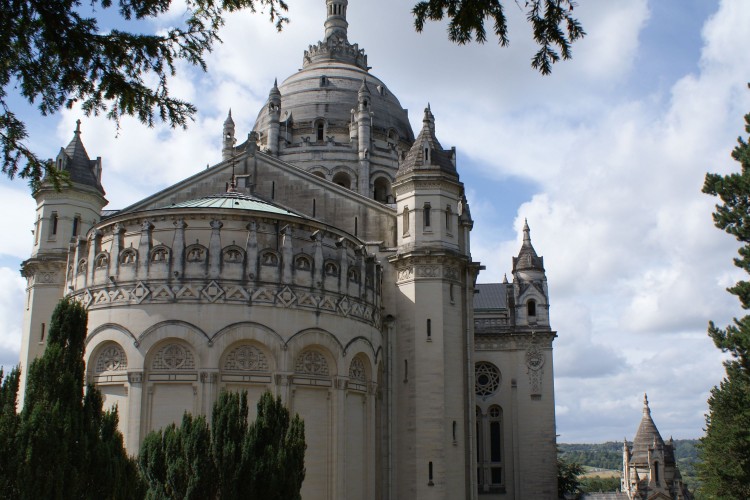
(319, 131)
(490, 473)
(531, 308)
(342, 179)
(381, 189)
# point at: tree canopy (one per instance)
(725, 449)
(62, 445)
(232, 459)
(55, 55)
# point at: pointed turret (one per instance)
(364, 136)
(274, 119)
(75, 160)
(646, 437)
(427, 153)
(527, 259)
(228, 138)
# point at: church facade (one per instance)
(325, 258)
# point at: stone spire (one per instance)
(228, 139)
(646, 437)
(75, 160)
(427, 153)
(527, 259)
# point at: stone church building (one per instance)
(325, 258)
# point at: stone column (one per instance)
(214, 250)
(286, 255)
(135, 407)
(144, 249)
(114, 251)
(178, 248)
(251, 251)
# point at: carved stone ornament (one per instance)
(173, 357)
(312, 363)
(246, 358)
(135, 377)
(486, 379)
(357, 371)
(534, 364)
(112, 358)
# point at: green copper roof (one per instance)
(235, 201)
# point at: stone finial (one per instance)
(229, 120)
(526, 231)
(505, 278)
(77, 131)
(646, 409)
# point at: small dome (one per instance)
(236, 201)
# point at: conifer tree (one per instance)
(725, 449)
(8, 430)
(66, 446)
(263, 460)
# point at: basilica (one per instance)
(326, 258)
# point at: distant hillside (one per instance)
(609, 456)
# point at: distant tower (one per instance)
(228, 138)
(432, 355)
(650, 468)
(530, 285)
(62, 220)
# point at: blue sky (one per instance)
(605, 158)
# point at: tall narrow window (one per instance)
(406, 371)
(656, 472)
(405, 217)
(36, 231)
(531, 307)
(53, 224)
(320, 131)
(41, 337)
(448, 217)
(76, 224)
(429, 475)
(429, 329)
(427, 215)
(490, 474)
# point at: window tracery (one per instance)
(246, 358)
(486, 379)
(311, 362)
(173, 357)
(112, 358)
(357, 370)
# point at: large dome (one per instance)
(333, 115)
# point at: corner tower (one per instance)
(62, 220)
(433, 339)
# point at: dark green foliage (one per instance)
(275, 452)
(234, 460)
(567, 477)
(8, 430)
(598, 484)
(229, 429)
(176, 462)
(725, 449)
(552, 21)
(62, 444)
(54, 56)
(601, 456)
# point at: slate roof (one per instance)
(490, 296)
(78, 164)
(438, 157)
(527, 258)
(645, 437)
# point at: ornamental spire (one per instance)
(336, 18)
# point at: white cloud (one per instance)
(11, 306)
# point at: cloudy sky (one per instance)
(605, 157)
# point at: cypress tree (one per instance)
(234, 460)
(8, 430)
(725, 449)
(67, 446)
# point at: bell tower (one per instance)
(433, 331)
(62, 219)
